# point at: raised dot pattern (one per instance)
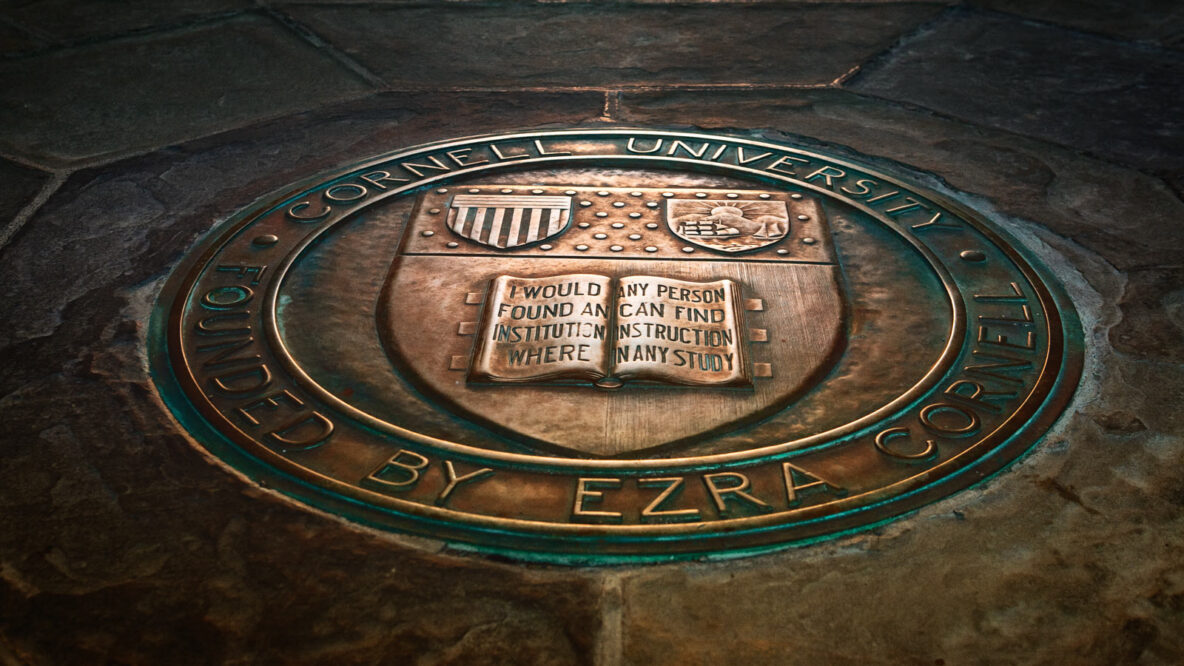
(618, 221)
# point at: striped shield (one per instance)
(508, 220)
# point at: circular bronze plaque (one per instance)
(608, 345)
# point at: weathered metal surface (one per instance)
(596, 345)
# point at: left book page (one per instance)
(549, 328)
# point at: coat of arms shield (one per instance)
(729, 225)
(506, 220)
(607, 321)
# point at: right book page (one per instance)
(679, 332)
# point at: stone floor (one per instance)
(128, 130)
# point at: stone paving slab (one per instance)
(623, 45)
(1106, 208)
(1097, 95)
(160, 204)
(1155, 21)
(1071, 555)
(14, 40)
(20, 185)
(77, 20)
(118, 97)
(120, 541)
(1068, 555)
(1152, 323)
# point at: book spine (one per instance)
(740, 331)
(610, 341)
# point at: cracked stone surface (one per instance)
(15, 40)
(1153, 21)
(587, 45)
(1104, 207)
(1152, 306)
(77, 104)
(121, 541)
(21, 184)
(1069, 556)
(1072, 556)
(78, 20)
(1107, 98)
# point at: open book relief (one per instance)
(584, 327)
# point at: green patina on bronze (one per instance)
(607, 345)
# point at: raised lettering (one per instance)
(501, 156)
(1006, 364)
(241, 382)
(407, 464)
(934, 223)
(460, 155)
(297, 211)
(742, 160)
(885, 436)
(377, 178)
(454, 480)
(984, 337)
(785, 159)
(912, 205)
(631, 146)
(207, 326)
(929, 412)
(538, 144)
(225, 351)
(977, 395)
(863, 185)
(828, 173)
(798, 480)
(585, 493)
(721, 494)
(226, 298)
(271, 403)
(436, 165)
(1024, 319)
(243, 272)
(346, 192)
(676, 144)
(303, 434)
(670, 487)
(1016, 296)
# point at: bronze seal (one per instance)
(605, 345)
